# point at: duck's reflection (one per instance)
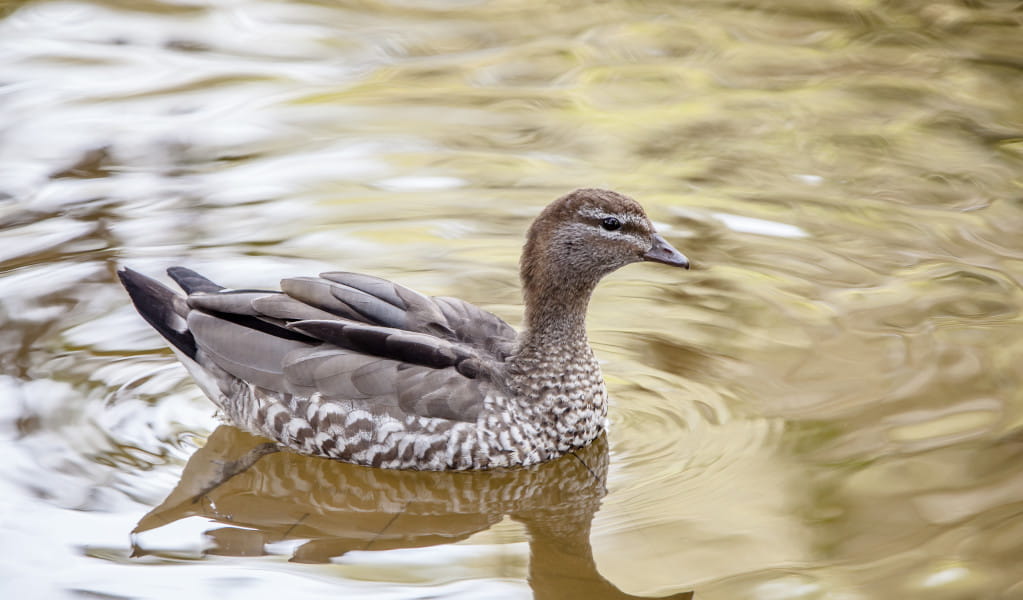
(243, 482)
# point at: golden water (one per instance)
(829, 406)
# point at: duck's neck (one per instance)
(556, 315)
(556, 291)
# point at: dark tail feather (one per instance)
(156, 303)
(191, 282)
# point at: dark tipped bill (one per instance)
(665, 253)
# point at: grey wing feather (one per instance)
(374, 286)
(248, 354)
(237, 303)
(370, 300)
(479, 327)
(326, 370)
(380, 302)
(286, 308)
(406, 346)
(376, 301)
(439, 393)
(318, 293)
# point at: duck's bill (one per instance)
(665, 253)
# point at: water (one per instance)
(827, 406)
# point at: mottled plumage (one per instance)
(360, 369)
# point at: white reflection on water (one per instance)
(759, 226)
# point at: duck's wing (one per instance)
(280, 344)
(358, 298)
(375, 301)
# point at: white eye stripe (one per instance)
(632, 237)
(599, 215)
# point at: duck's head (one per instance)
(587, 234)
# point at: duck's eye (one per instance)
(611, 224)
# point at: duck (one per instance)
(356, 368)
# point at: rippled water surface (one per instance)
(828, 406)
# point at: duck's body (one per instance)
(359, 369)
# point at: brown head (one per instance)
(578, 239)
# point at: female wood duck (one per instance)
(356, 368)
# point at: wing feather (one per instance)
(447, 318)
(374, 286)
(248, 354)
(284, 307)
(404, 346)
(478, 327)
(317, 292)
